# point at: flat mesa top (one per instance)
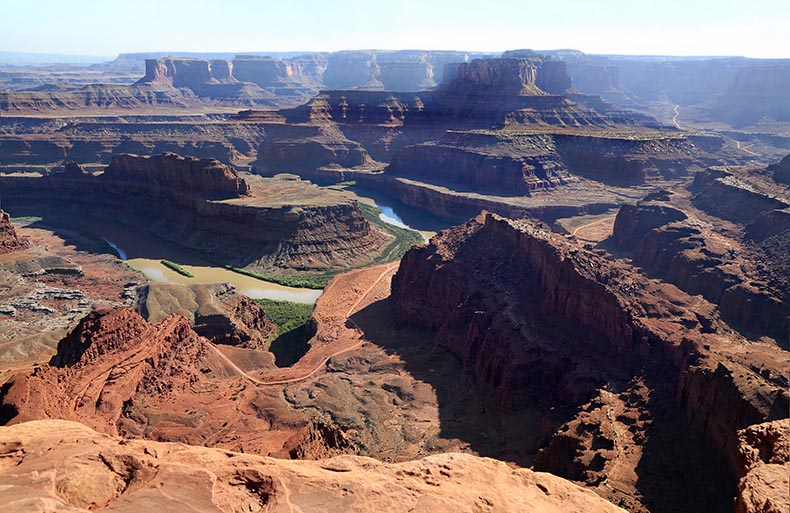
(287, 190)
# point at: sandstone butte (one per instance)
(61, 466)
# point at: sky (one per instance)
(754, 28)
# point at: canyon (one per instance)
(540, 149)
(606, 329)
(276, 224)
(610, 358)
(723, 245)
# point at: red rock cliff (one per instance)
(524, 76)
(172, 176)
(541, 321)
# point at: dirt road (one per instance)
(342, 338)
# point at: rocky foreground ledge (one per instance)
(55, 465)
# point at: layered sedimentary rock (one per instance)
(247, 78)
(729, 196)
(632, 160)
(742, 272)
(305, 71)
(99, 97)
(634, 222)
(169, 175)
(484, 163)
(184, 72)
(736, 91)
(43, 143)
(275, 224)
(263, 80)
(87, 471)
(511, 76)
(299, 155)
(757, 92)
(589, 73)
(9, 240)
(465, 99)
(122, 375)
(521, 164)
(410, 131)
(529, 91)
(543, 322)
(351, 69)
(406, 76)
(108, 358)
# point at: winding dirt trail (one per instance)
(675, 119)
(345, 339)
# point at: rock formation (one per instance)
(545, 323)
(635, 221)
(518, 165)
(91, 140)
(121, 375)
(215, 311)
(101, 98)
(781, 170)
(726, 195)
(86, 471)
(158, 359)
(511, 76)
(454, 150)
(276, 224)
(264, 80)
(765, 468)
(758, 91)
(740, 266)
(171, 176)
(9, 240)
(633, 160)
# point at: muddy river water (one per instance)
(145, 252)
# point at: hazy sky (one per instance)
(754, 28)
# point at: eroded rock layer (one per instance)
(204, 205)
(765, 468)
(60, 466)
(216, 311)
(122, 375)
(546, 324)
(728, 244)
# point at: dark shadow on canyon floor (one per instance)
(465, 413)
(91, 231)
(678, 471)
(289, 347)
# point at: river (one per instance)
(144, 252)
(399, 214)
